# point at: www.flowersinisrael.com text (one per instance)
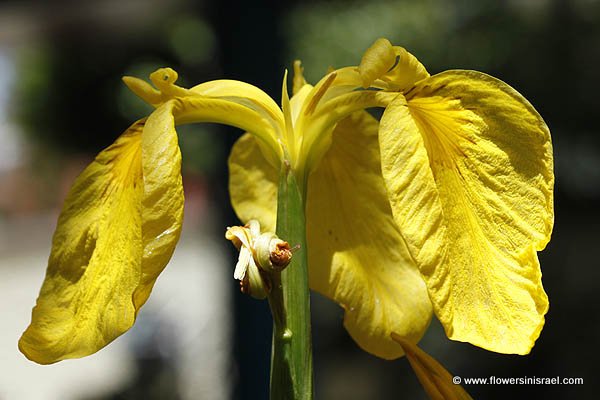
(524, 380)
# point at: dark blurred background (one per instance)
(61, 101)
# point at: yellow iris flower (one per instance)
(439, 207)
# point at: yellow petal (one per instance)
(356, 255)
(355, 251)
(298, 80)
(391, 64)
(247, 107)
(436, 380)
(332, 99)
(377, 60)
(252, 184)
(407, 71)
(287, 114)
(162, 203)
(334, 84)
(468, 166)
(223, 101)
(242, 93)
(193, 109)
(318, 127)
(296, 103)
(117, 231)
(95, 264)
(411, 188)
(164, 79)
(143, 90)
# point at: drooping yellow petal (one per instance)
(162, 203)
(95, 266)
(355, 251)
(436, 380)
(116, 233)
(468, 166)
(411, 188)
(356, 255)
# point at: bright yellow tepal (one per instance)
(117, 231)
(478, 159)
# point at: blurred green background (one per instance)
(61, 101)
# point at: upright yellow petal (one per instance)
(298, 81)
(317, 129)
(289, 138)
(475, 217)
(356, 253)
(95, 263)
(162, 202)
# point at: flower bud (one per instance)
(255, 283)
(260, 255)
(272, 253)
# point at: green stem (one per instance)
(291, 360)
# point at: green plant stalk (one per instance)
(291, 357)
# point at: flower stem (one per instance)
(291, 359)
